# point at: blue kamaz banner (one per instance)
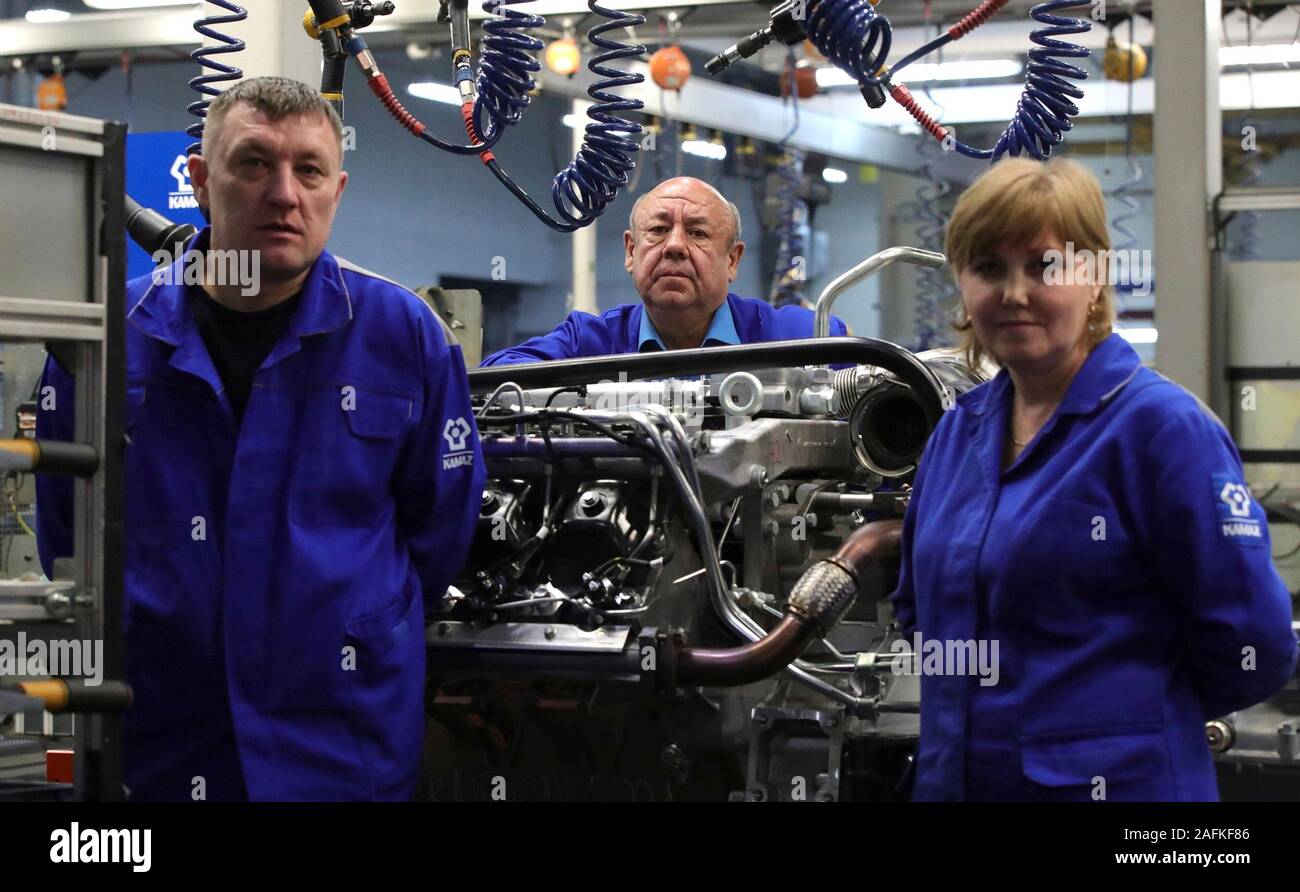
(156, 177)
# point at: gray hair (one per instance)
(275, 97)
(731, 207)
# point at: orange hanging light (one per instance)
(562, 56)
(805, 79)
(52, 94)
(669, 67)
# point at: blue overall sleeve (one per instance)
(1212, 551)
(563, 342)
(440, 478)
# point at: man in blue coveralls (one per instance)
(303, 472)
(682, 249)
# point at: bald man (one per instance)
(682, 249)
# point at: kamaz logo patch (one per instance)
(1234, 509)
(457, 432)
(183, 196)
(1237, 498)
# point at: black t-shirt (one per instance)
(239, 342)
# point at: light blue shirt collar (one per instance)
(722, 330)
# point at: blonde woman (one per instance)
(1089, 516)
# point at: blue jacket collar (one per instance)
(722, 329)
(162, 312)
(1110, 366)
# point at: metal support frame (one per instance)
(1187, 178)
(744, 112)
(775, 754)
(583, 296)
(91, 327)
(1227, 374)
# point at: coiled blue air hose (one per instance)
(581, 191)
(857, 39)
(935, 291)
(1127, 240)
(789, 273)
(603, 165)
(1246, 171)
(506, 68)
(1122, 194)
(790, 270)
(202, 84)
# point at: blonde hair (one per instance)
(1017, 200)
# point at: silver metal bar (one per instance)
(138, 29)
(44, 320)
(868, 267)
(527, 636)
(50, 331)
(58, 120)
(25, 306)
(38, 139)
(1260, 198)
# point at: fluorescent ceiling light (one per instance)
(973, 69)
(436, 92)
(1270, 54)
(834, 175)
(137, 4)
(1138, 335)
(833, 77)
(704, 149)
(41, 16)
(922, 72)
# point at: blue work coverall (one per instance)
(1125, 573)
(277, 570)
(622, 330)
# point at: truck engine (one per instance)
(678, 587)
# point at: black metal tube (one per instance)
(844, 501)
(49, 457)
(460, 37)
(571, 467)
(706, 360)
(334, 63)
(327, 10)
(621, 665)
(535, 447)
(153, 232)
(59, 457)
(75, 695)
(103, 763)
